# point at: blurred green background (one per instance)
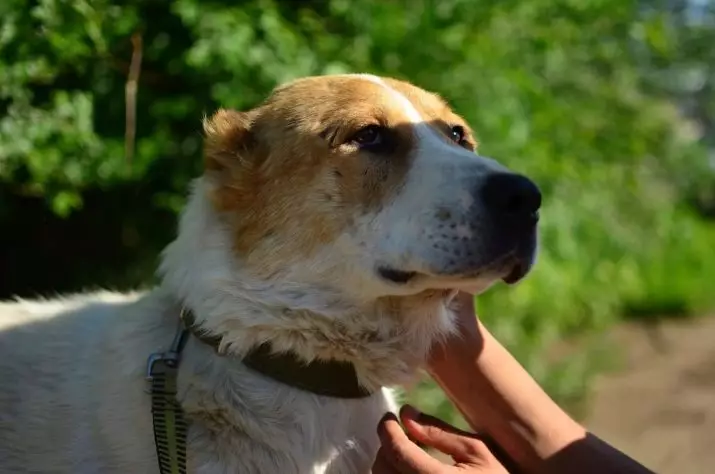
(608, 104)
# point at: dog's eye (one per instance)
(457, 135)
(372, 136)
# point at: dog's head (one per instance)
(368, 185)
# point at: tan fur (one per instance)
(434, 110)
(281, 241)
(296, 147)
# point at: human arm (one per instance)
(498, 397)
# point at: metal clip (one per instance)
(170, 358)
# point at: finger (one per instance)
(431, 431)
(382, 465)
(404, 455)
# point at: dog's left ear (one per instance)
(228, 139)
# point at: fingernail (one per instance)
(408, 411)
(387, 416)
(381, 424)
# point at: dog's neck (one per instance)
(386, 340)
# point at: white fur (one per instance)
(72, 396)
(73, 391)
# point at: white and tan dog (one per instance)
(334, 221)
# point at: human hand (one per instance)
(398, 454)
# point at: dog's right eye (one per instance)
(371, 137)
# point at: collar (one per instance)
(329, 378)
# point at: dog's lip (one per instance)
(510, 267)
(396, 276)
(517, 273)
(506, 263)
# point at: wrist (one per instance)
(457, 371)
(497, 397)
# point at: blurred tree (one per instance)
(683, 70)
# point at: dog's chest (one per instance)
(304, 435)
(352, 457)
(243, 422)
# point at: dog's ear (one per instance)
(229, 139)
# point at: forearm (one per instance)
(498, 397)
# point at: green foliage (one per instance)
(568, 92)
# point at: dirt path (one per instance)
(660, 408)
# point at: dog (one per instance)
(334, 222)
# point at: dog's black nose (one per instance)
(510, 195)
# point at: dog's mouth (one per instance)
(510, 267)
(396, 276)
(513, 273)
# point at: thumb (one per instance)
(401, 453)
(462, 446)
